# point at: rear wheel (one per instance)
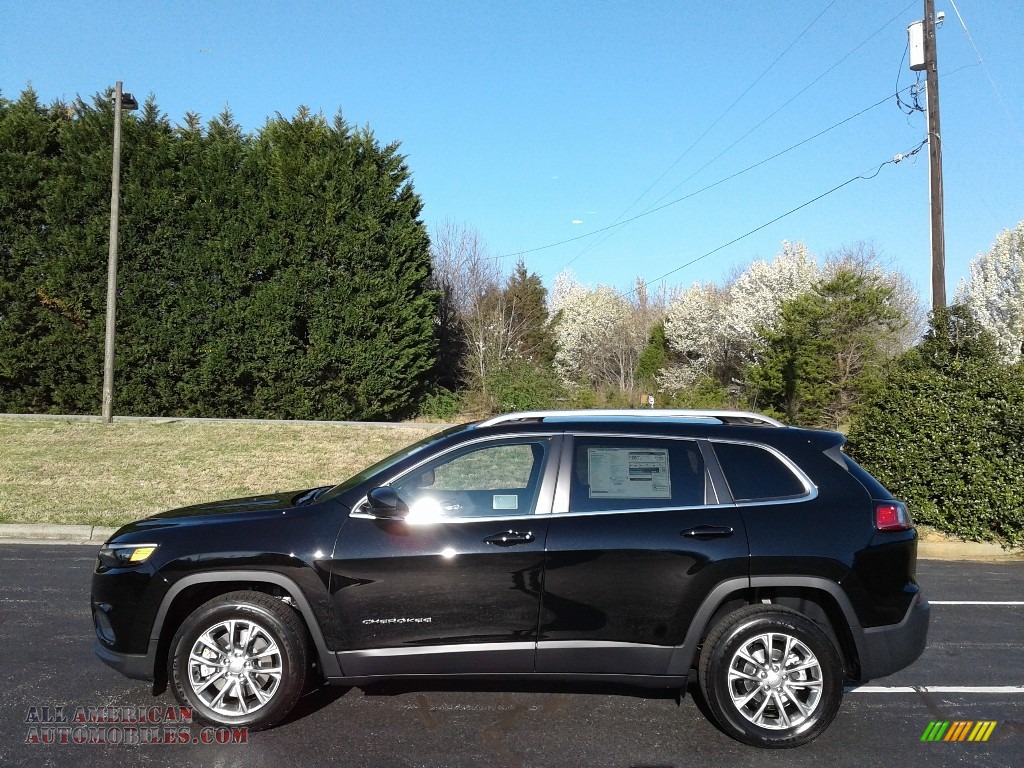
(240, 660)
(771, 677)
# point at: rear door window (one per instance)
(613, 473)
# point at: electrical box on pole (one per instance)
(915, 45)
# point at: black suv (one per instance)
(639, 547)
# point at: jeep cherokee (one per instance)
(641, 547)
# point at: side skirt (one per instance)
(638, 681)
(628, 663)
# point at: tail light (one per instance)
(892, 516)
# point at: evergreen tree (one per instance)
(281, 275)
(29, 150)
(71, 270)
(818, 358)
(153, 242)
(654, 357)
(339, 320)
(525, 313)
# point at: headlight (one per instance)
(125, 555)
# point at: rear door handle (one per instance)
(510, 538)
(707, 532)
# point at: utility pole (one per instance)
(924, 55)
(931, 62)
(126, 101)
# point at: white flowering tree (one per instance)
(718, 332)
(715, 332)
(599, 333)
(695, 333)
(756, 296)
(995, 292)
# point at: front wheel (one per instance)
(771, 677)
(240, 660)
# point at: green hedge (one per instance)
(283, 274)
(945, 433)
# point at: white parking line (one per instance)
(995, 689)
(935, 689)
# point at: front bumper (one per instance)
(135, 666)
(887, 649)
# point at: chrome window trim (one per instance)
(810, 489)
(422, 650)
(463, 520)
(547, 479)
(560, 507)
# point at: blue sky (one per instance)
(536, 122)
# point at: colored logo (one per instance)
(959, 730)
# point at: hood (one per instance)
(230, 510)
(268, 503)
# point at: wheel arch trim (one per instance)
(327, 660)
(684, 656)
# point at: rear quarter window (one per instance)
(756, 474)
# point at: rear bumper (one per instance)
(887, 649)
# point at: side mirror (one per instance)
(385, 504)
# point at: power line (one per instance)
(741, 138)
(728, 109)
(705, 188)
(797, 95)
(896, 159)
(700, 138)
(987, 73)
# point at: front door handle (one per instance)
(510, 538)
(707, 532)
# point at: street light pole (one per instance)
(125, 101)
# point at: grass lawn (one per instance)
(90, 473)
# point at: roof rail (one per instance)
(748, 418)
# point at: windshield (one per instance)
(391, 460)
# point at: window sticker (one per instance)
(505, 501)
(628, 473)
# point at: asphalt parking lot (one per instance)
(972, 671)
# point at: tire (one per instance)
(771, 677)
(240, 660)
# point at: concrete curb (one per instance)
(25, 533)
(967, 550)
